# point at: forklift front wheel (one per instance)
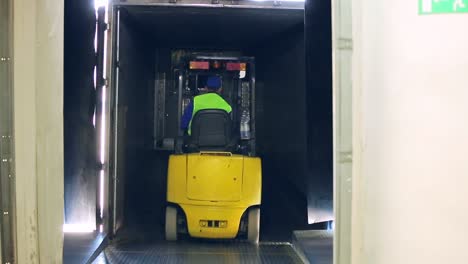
(171, 223)
(253, 228)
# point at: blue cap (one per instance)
(213, 83)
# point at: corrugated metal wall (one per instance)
(79, 105)
(142, 198)
(281, 130)
(319, 98)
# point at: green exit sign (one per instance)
(427, 7)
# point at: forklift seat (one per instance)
(211, 131)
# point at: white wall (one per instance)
(410, 186)
(38, 117)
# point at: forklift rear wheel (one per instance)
(253, 228)
(171, 223)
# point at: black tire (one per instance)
(171, 223)
(253, 228)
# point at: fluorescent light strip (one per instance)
(95, 77)
(104, 68)
(78, 228)
(102, 135)
(101, 193)
(100, 3)
(103, 125)
(280, 1)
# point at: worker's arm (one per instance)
(186, 117)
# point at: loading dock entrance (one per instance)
(143, 39)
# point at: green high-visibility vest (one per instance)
(208, 101)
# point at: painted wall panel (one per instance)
(410, 90)
(38, 113)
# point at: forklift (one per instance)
(214, 177)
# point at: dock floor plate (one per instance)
(314, 245)
(78, 247)
(204, 252)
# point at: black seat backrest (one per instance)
(211, 130)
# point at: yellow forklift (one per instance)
(214, 178)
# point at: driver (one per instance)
(209, 99)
